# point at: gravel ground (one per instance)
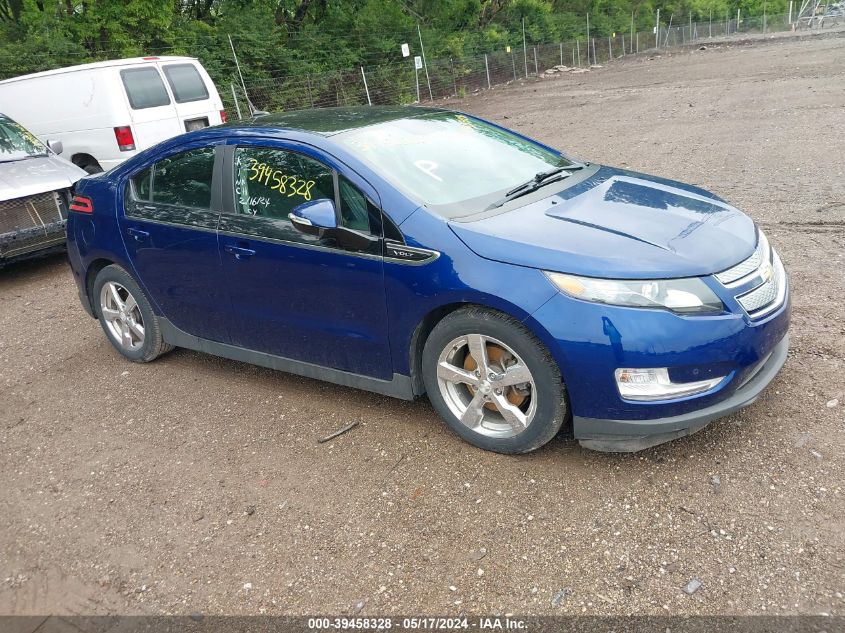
(197, 484)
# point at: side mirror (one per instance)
(56, 147)
(315, 217)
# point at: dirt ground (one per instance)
(195, 484)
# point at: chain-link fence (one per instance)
(403, 82)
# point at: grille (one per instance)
(747, 266)
(760, 297)
(765, 271)
(31, 223)
(768, 296)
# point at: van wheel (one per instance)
(493, 382)
(126, 316)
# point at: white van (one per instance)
(105, 112)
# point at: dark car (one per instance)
(415, 251)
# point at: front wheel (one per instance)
(493, 382)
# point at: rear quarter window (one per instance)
(144, 88)
(185, 82)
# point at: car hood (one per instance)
(27, 177)
(617, 224)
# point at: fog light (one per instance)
(654, 384)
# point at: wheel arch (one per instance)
(81, 159)
(91, 273)
(432, 318)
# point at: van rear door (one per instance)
(197, 102)
(153, 112)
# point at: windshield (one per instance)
(17, 143)
(452, 163)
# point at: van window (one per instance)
(144, 88)
(185, 82)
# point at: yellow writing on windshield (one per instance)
(279, 181)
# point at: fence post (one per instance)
(638, 42)
(417, 77)
(454, 76)
(609, 48)
(623, 45)
(425, 64)
(632, 32)
(711, 22)
(657, 31)
(487, 69)
(536, 68)
(366, 87)
(310, 96)
(690, 26)
(595, 59)
(561, 53)
(235, 98)
(588, 40)
(524, 48)
(578, 46)
(764, 18)
(737, 21)
(513, 61)
(790, 12)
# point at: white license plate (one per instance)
(196, 124)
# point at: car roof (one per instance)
(331, 121)
(130, 61)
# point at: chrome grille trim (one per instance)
(768, 296)
(736, 275)
(764, 272)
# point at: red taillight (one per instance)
(82, 204)
(223, 117)
(149, 58)
(125, 140)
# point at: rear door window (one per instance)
(183, 180)
(144, 88)
(185, 82)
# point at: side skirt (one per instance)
(400, 387)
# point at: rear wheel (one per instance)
(126, 316)
(493, 382)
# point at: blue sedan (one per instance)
(412, 251)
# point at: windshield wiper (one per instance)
(540, 179)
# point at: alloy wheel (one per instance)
(122, 316)
(487, 386)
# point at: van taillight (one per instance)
(125, 140)
(82, 204)
(223, 117)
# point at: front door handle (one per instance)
(138, 234)
(239, 252)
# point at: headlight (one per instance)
(684, 296)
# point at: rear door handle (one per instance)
(138, 234)
(239, 252)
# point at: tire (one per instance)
(92, 168)
(121, 324)
(491, 421)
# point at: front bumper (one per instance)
(626, 436)
(26, 242)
